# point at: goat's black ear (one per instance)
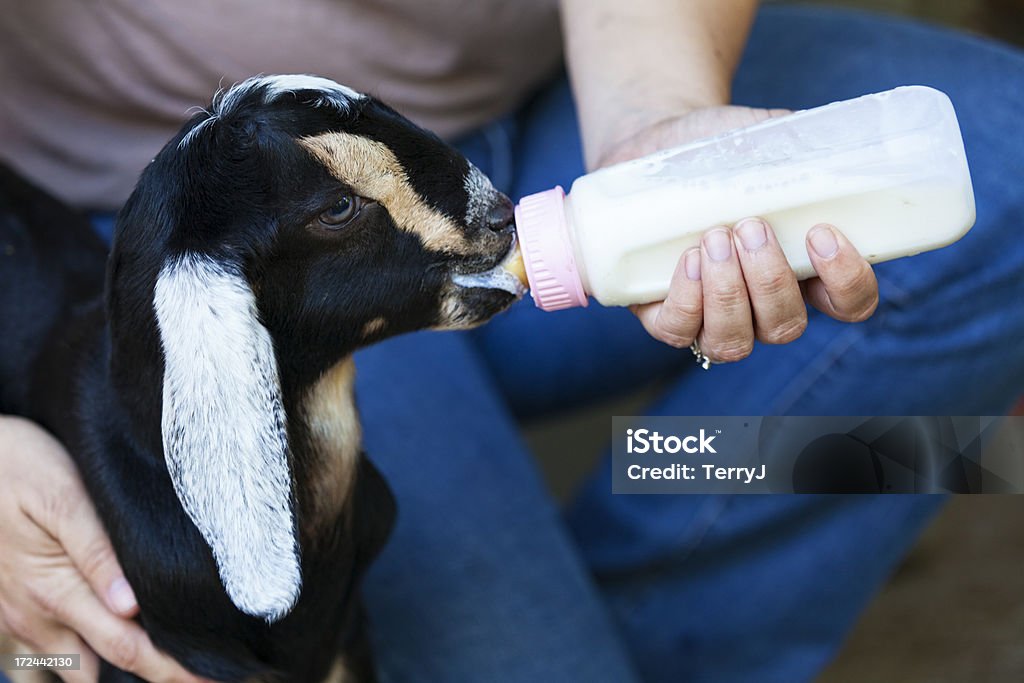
(224, 435)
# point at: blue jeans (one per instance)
(486, 579)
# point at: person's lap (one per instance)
(480, 581)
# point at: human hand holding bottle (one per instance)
(655, 75)
(738, 286)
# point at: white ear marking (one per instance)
(224, 435)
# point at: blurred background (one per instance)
(954, 611)
(1003, 19)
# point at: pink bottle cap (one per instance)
(547, 251)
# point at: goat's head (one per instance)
(293, 222)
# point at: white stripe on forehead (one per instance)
(276, 87)
(285, 83)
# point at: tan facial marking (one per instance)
(372, 170)
(333, 425)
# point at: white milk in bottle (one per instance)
(888, 170)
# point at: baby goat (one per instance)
(208, 402)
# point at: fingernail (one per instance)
(718, 244)
(121, 597)
(691, 261)
(823, 241)
(752, 234)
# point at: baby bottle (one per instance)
(888, 169)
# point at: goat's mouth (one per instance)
(501, 275)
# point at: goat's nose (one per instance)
(500, 215)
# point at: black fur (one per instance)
(243, 192)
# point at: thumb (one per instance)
(79, 531)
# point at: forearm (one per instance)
(633, 64)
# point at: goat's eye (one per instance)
(344, 210)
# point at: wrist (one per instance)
(621, 127)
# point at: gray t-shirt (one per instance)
(93, 88)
